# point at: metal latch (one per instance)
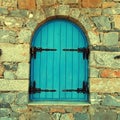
(85, 51)
(83, 90)
(33, 89)
(33, 50)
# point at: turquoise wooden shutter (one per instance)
(59, 64)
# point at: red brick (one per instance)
(26, 4)
(91, 3)
(108, 73)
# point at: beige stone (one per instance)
(14, 85)
(108, 4)
(117, 21)
(104, 85)
(14, 53)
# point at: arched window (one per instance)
(59, 62)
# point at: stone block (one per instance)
(111, 101)
(8, 98)
(5, 105)
(14, 53)
(68, 116)
(94, 72)
(63, 10)
(86, 22)
(108, 4)
(32, 24)
(91, 3)
(105, 85)
(111, 11)
(49, 2)
(5, 112)
(49, 12)
(81, 116)
(57, 110)
(9, 75)
(104, 59)
(2, 69)
(14, 85)
(23, 71)
(24, 36)
(7, 118)
(56, 116)
(94, 38)
(19, 109)
(3, 11)
(9, 3)
(68, 1)
(117, 21)
(22, 98)
(7, 36)
(103, 115)
(109, 39)
(110, 73)
(102, 22)
(40, 116)
(12, 22)
(27, 4)
(74, 13)
(19, 13)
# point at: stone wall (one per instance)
(100, 21)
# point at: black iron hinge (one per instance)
(85, 51)
(33, 89)
(33, 50)
(84, 89)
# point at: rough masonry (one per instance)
(100, 20)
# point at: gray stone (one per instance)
(62, 10)
(5, 105)
(9, 75)
(109, 39)
(94, 38)
(23, 71)
(74, 12)
(4, 112)
(39, 15)
(94, 72)
(19, 109)
(104, 59)
(102, 22)
(32, 24)
(7, 36)
(81, 116)
(12, 22)
(86, 22)
(10, 66)
(3, 11)
(22, 98)
(8, 97)
(66, 117)
(95, 98)
(111, 101)
(118, 117)
(6, 118)
(56, 116)
(24, 36)
(40, 116)
(111, 11)
(103, 115)
(19, 13)
(49, 12)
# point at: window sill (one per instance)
(52, 103)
